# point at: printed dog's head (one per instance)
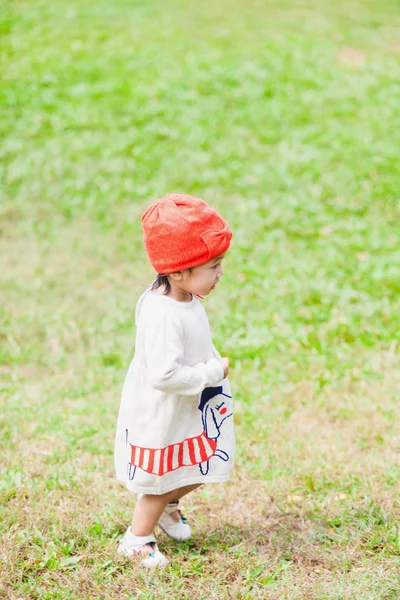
(214, 410)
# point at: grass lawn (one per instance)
(285, 116)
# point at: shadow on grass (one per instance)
(280, 535)
(314, 539)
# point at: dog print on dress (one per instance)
(198, 450)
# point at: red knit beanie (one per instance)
(181, 232)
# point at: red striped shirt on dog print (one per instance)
(188, 453)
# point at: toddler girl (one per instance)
(175, 423)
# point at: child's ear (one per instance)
(176, 276)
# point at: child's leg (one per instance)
(147, 513)
(149, 508)
(178, 494)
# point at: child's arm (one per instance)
(163, 353)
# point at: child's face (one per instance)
(202, 280)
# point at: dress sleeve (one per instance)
(163, 356)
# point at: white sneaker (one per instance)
(131, 545)
(177, 530)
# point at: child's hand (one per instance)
(225, 366)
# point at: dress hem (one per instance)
(139, 489)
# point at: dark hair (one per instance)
(162, 281)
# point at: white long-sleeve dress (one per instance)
(175, 422)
